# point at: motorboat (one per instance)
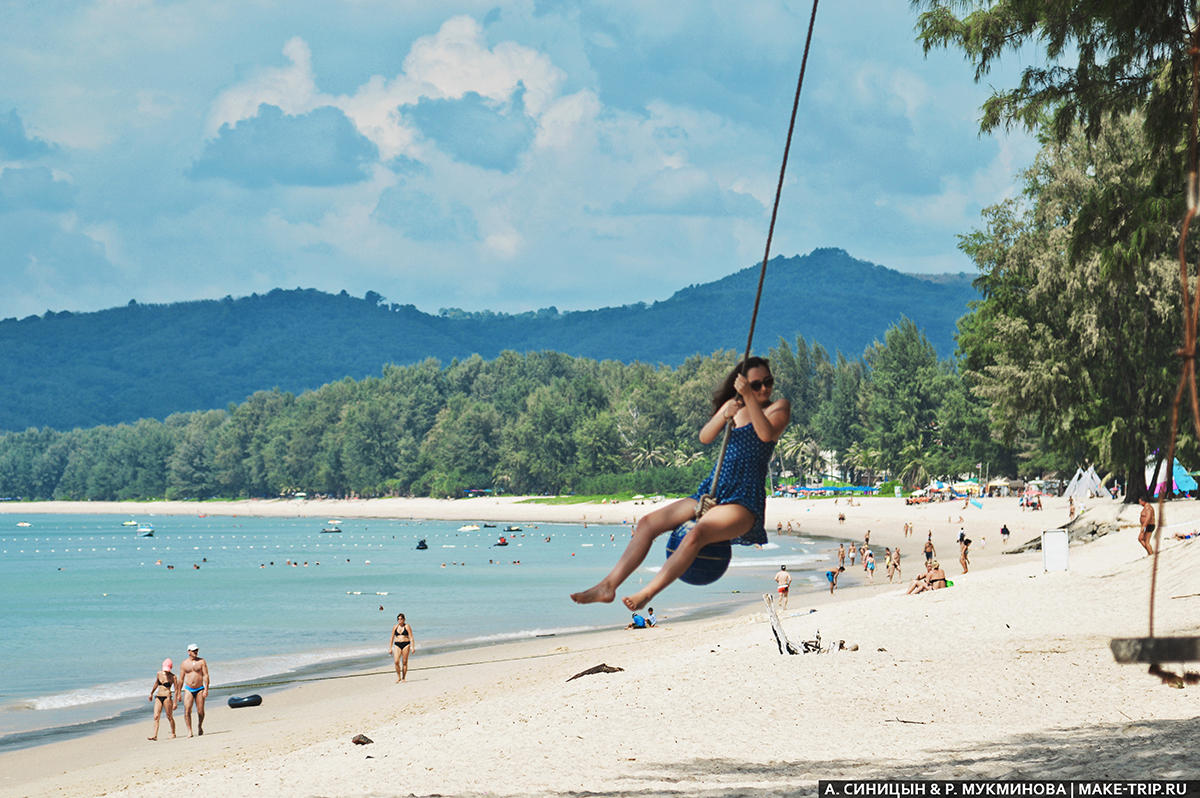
(145, 530)
(512, 529)
(422, 545)
(489, 526)
(130, 522)
(469, 528)
(503, 541)
(331, 530)
(24, 523)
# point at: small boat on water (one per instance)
(146, 531)
(24, 523)
(469, 528)
(333, 522)
(422, 545)
(489, 526)
(512, 529)
(331, 530)
(130, 522)
(503, 541)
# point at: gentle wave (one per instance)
(233, 673)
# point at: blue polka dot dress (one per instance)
(743, 479)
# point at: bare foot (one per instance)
(636, 601)
(600, 593)
(200, 733)
(151, 738)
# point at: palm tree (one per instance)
(790, 448)
(914, 470)
(812, 460)
(648, 455)
(682, 459)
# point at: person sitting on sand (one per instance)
(638, 622)
(934, 578)
(737, 502)
(162, 695)
(650, 619)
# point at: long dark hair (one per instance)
(725, 390)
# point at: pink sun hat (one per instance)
(167, 664)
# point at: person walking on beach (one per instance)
(832, 578)
(853, 554)
(402, 644)
(194, 687)
(869, 561)
(887, 561)
(1004, 533)
(896, 562)
(162, 695)
(930, 551)
(735, 508)
(784, 580)
(1146, 521)
(842, 555)
(964, 553)
(862, 554)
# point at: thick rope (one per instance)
(762, 273)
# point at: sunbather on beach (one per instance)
(934, 578)
(732, 508)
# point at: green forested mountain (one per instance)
(65, 370)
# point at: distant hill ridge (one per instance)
(67, 369)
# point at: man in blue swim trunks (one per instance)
(832, 576)
(194, 687)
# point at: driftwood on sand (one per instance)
(601, 668)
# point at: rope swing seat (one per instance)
(713, 560)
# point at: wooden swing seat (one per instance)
(1155, 649)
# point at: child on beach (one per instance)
(733, 508)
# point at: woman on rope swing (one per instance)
(734, 508)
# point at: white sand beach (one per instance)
(1007, 674)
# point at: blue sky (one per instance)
(504, 156)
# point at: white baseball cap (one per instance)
(193, 647)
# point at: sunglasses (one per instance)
(758, 385)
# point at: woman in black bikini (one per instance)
(401, 646)
(161, 696)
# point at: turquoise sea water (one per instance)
(91, 609)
